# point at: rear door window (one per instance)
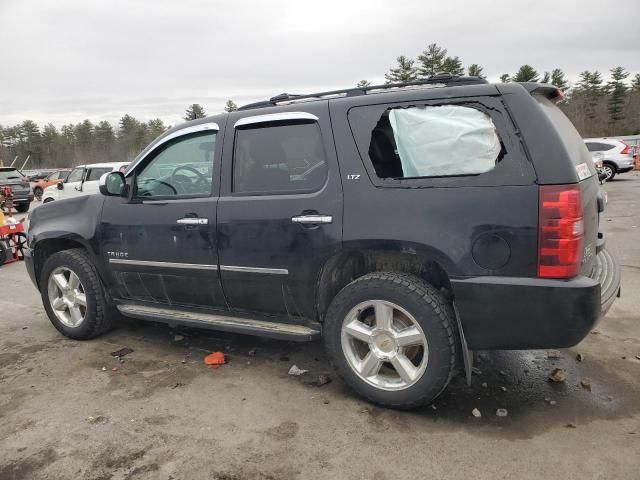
(96, 173)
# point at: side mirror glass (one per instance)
(112, 184)
(60, 186)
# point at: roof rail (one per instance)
(438, 79)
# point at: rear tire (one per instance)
(73, 295)
(610, 170)
(37, 192)
(371, 353)
(23, 207)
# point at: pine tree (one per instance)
(505, 78)
(617, 89)
(363, 84)
(475, 70)
(104, 140)
(526, 73)
(590, 88)
(558, 79)
(156, 128)
(431, 60)
(453, 66)
(230, 106)
(405, 72)
(546, 78)
(635, 83)
(194, 111)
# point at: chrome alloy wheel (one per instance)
(608, 170)
(384, 345)
(67, 297)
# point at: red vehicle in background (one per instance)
(52, 179)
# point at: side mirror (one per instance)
(112, 184)
(60, 186)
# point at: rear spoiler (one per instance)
(547, 90)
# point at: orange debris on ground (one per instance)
(214, 360)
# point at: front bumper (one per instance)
(29, 264)
(532, 313)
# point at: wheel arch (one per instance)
(358, 259)
(46, 247)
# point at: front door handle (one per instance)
(312, 219)
(193, 221)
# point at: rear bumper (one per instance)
(531, 313)
(624, 169)
(22, 197)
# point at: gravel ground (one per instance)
(162, 414)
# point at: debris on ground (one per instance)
(550, 401)
(97, 419)
(637, 357)
(579, 357)
(122, 352)
(504, 389)
(319, 381)
(586, 383)
(476, 371)
(294, 370)
(476, 413)
(484, 385)
(553, 354)
(104, 369)
(433, 407)
(571, 425)
(558, 375)
(284, 358)
(252, 352)
(325, 401)
(114, 369)
(503, 373)
(178, 338)
(502, 412)
(177, 385)
(595, 332)
(214, 360)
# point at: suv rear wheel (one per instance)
(610, 170)
(391, 337)
(73, 296)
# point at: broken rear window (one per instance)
(433, 141)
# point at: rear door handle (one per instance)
(312, 219)
(193, 221)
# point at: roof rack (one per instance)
(445, 79)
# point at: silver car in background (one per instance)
(616, 155)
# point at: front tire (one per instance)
(392, 338)
(37, 192)
(73, 295)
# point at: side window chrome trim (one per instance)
(275, 117)
(179, 133)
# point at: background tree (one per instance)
(526, 73)
(430, 60)
(194, 111)
(156, 127)
(475, 70)
(504, 78)
(404, 72)
(230, 106)
(104, 141)
(363, 84)
(546, 78)
(452, 65)
(617, 90)
(558, 79)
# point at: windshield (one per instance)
(12, 174)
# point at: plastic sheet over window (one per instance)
(444, 140)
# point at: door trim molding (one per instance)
(273, 271)
(148, 263)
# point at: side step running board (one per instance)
(219, 322)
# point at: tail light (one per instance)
(560, 231)
(625, 150)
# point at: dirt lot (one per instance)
(163, 415)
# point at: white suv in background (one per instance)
(83, 180)
(616, 155)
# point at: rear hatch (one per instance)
(586, 177)
(10, 177)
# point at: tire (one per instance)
(5, 252)
(98, 314)
(23, 207)
(414, 303)
(37, 192)
(610, 170)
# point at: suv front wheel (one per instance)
(73, 296)
(392, 338)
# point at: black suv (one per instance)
(406, 224)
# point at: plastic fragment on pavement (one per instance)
(215, 359)
(294, 370)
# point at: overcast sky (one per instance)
(66, 60)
